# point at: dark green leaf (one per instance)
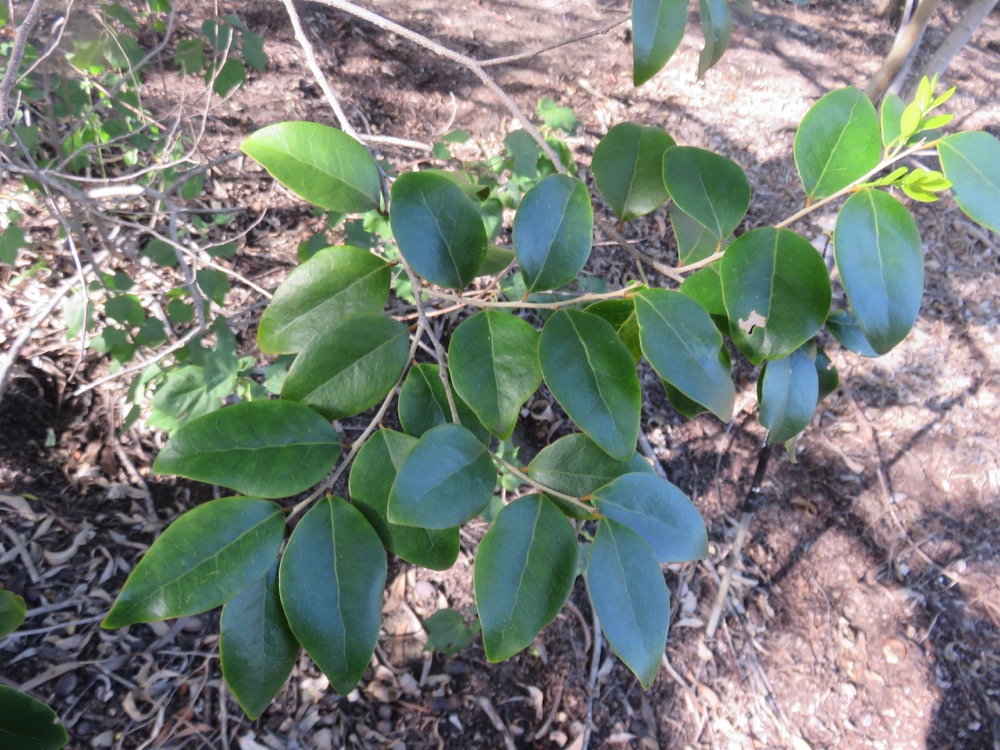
(972, 162)
(498, 260)
(372, 475)
(215, 284)
(256, 646)
(160, 253)
(695, 241)
(331, 580)
(829, 378)
(657, 30)
(253, 51)
(846, 330)
(620, 313)
(685, 348)
(11, 240)
(704, 286)
(593, 377)
(259, 448)
(659, 512)
(717, 26)
(322, 165)
(524, 572)
(446, 479)
(126, 309)
(201, 561)
(27, 724)
(575, 465)
(12, 610)
(230, 76)
(630, 597)
(881, 263)
(777, 292)
(627, 169)
(494, 366)
(789, 393)
(838, 142)
(447, 632)
(349, 366)
(423, 404)
(710, 188)
(685, 407)
(553, 232)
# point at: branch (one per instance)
(14, 61)
(535, 53)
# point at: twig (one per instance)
(595, 666)
(518, 304)
(547, 490)
(535, 53)
(14, 60)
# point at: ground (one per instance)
(864, 611)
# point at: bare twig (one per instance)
(506, 60)
(24, 30)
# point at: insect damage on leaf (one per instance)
(753, 320)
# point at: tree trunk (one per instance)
(906, 41)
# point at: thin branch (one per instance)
(535, 53)
(518, 304)
(543, 488)
(31, 18)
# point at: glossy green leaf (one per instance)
(717, 26)
(524, 572)
(258, 448)
(685, 348)
(498, 260)
(789, 392)
(446, 479)
(333, 283)
(438, 228)
(331, 580)
(372, 475)
(695, 241)
(972, 162)
(704, 286)
(423, 404)
(12, 611)
(350, 366)
(27, 724)
(627, 169)
(494, 365)
(709, 188)
(318, 163)
(826, 372)
(684, 406)
(553, 232)
(838, 142)
(630, 597)
(881, 262)
(593, 377)
(620, 313)
(575, 465)
(201, 561)
(777, 292)
(657, 30)
(846, 330)
(256, 646)
(659, 512)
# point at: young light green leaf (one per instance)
(972, 162)
(447, 479)
(657, 30)
(717, 26)
(258, 448)
(592, 375)
(524, 572)
(620, 313)
(881, 262)
(331, 580)
(685, 348)
(658, 512)
(12, 610)
(891, 115)
(423, 404)
(789, 392)
(494, 366)
(924, 185)
(838, 142)
(846, 330)
(710, 188)
(553, 232)
(349, 366)
(438, 228)
(630, 597)
(575, 465)
(777, 292)
(372, 475)
(201, 561)
(627, 169)
(256, 647)
(318, 163)
(28, 724)
(333, 283)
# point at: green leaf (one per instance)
(229, 77)
(881, 262)
(423, 404)
(576, 465)
(201, 561)
(161, 253)
(215, 284)
(972, 162)
(118, 12)
(12, 611)
(846, 330)
(438, 228)
(525, 152)
(494, 366)
(524, 572)
(777, 292)
(838, 142)
(126, 309)
(253, 51)
(620, 313)
(627, 169)
(695, 241)
(829, 378)
(710, 188)
(318, 163)
(372, 475)
(592, 376)
(553, 232)
(717, 26)
(657, 30)
(27, 724)
(789, 392)
(659, 512)
(498, 260)
(331, 579)
(335, 282)
(685, 348)
(350, 366)
(447, 632)
(556, 117)
(446, 479)
(892, 113)
(11, 240)
(259, 448)
(257, 648)
(704, 286)
(630, 597)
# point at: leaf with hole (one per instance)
(657, 30)
(627, 169)
(27, 724)
(972, 162)
(788, 394)
(711, 189)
